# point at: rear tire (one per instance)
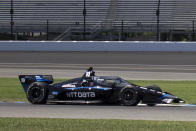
(129, 97)
(37, 93)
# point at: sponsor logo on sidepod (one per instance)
(81, 94)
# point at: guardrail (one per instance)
(97, 46)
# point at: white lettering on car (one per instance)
(68, 85)
(81, 94)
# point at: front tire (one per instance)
(37, 93)
(129, 97)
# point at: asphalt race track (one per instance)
(129, 65)
(180, 113)
(148, 58)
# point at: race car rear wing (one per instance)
(27, 80)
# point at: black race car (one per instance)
(105, 89)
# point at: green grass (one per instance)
(33, 124)
(11, 89)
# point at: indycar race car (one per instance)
(105, 89)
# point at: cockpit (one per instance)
(109, 81)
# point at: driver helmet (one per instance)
(90, 68)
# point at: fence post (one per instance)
(157, 14)
(47, 30)
(11, 22)
(84, 24)
(122, 30)
(193, 31)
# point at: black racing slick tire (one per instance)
(129, 97)
(37, 93)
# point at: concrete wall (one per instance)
(96, 46)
